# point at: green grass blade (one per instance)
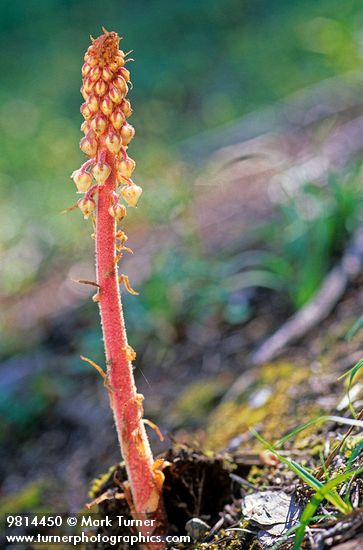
(315, 501)
(292, 530)
(351, 373)
(315, 421)
(332, 496)
(299, 429)
(355, 328)
(357, 449)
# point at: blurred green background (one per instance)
(199, 65)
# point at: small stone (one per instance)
(275, 511)
(197, 528)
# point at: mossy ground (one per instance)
(269, 402)
(274, 398)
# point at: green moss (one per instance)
(197, 400)
(99, 481)
(278, 413)
(28, 499)
(351, 444)
(230, 540)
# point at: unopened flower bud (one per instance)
(107, 74)
(85, 110)
(131, 194)
(100, 87)
(113, 142)
(106, 106)
(91, 60)
(126, 108)
(120, 83)
(99, 123)
(115, 94)
(117, 118)
(88, 85)
(126, 167)
(93, 104)
(117, 211)
(85, 69)
(101, 171)
(85, 95)
(125, 73)
(120, 59)
(85, 126)
(95, 73)
(87, 206)
(88, 145)
(127, 133)
(82, 179)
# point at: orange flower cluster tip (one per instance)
(107, 132)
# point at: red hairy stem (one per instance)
(125, 402)
(107, 136)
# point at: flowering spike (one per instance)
(107, 134)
